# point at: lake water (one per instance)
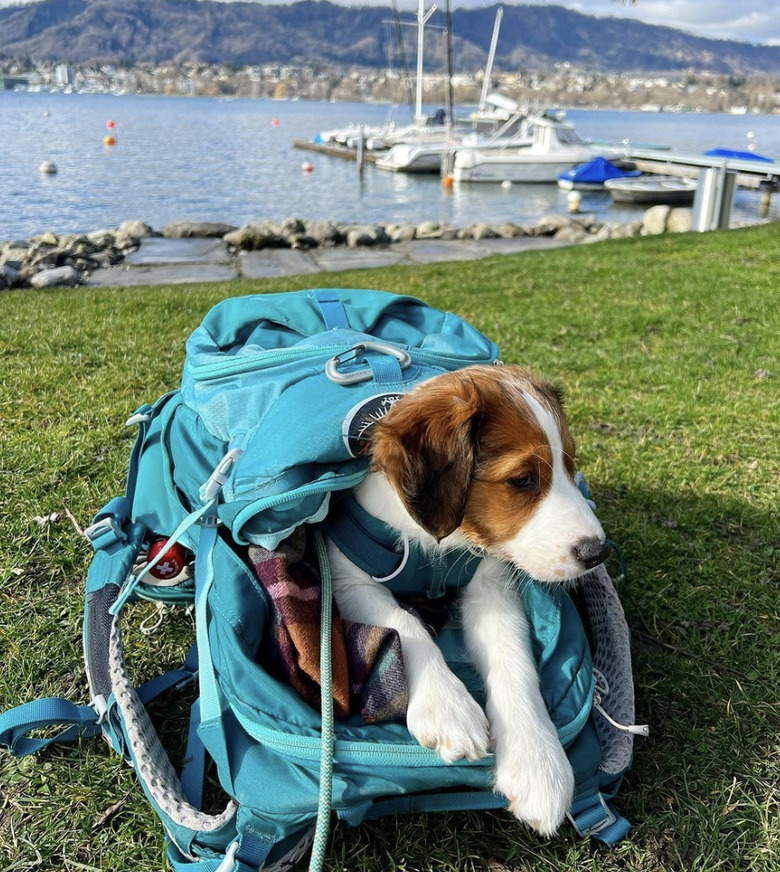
(209, 160)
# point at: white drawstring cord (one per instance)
(600, 691)
(401, 565)
(148, 628)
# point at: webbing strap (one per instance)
(595, 818)
(361, 538)
(385, 369)
(236, 858)
(176, 678)
(106, 529)
(371, 545)
(194, 770)
(142, 416)
(332, 309)
(17, 723)
(210, 708)
(183, 864)
(130, 584)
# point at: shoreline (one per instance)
(467, 104)
(212, 251)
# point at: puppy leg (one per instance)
(532, 769)
(442, 714)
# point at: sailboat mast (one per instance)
(420, 42)
(450, 92)
(491, 58)
(422, 18)
(400, 40)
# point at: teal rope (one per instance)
(326, 694)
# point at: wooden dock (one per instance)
(750, 174)
(331, 150)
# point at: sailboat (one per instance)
(420, 147)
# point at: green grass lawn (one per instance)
(668, 349)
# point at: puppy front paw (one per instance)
(537, 779)
(443, 715)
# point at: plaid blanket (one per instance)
(368, 670)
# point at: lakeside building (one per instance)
(563, 86)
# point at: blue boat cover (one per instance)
(737, 155)
(597, 171)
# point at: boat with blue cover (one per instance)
(591, 176)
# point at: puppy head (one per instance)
(487, 451)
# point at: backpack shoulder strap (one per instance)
(80, 721)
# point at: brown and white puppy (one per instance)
(480, 458)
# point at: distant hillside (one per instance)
(153, 31)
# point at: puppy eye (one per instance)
(528, 483)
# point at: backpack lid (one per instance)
(255, 374)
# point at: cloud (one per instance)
(756, 21)
(749, 21)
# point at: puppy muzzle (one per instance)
(590, 553)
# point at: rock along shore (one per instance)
(50, 260)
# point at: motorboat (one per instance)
(501, 123)
(349, 135)
(673, 190)
(416, 157)
(592, 175)
(555, 146)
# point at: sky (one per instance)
(756, 21)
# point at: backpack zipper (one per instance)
(381, 753)
(347, 751)
(274, 357)
(262, 504)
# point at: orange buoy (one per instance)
(110, 124)
(109, 140)
(447, 181)
(274, 122)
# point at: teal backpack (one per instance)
(265, 430)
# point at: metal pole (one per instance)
(714, 199)
(728, 188)
(361, 149)
(766, 198)
(703, 201)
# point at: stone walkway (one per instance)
(161, 261)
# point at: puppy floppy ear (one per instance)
(426, 447)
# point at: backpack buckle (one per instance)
(98, 703)
(228, 863)
(217, 479)
(352, 354)
(605, 818)
(105, 532)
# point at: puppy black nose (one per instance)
(591, 552)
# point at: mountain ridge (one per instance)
(317, 32)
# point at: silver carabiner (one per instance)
(352, 354)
